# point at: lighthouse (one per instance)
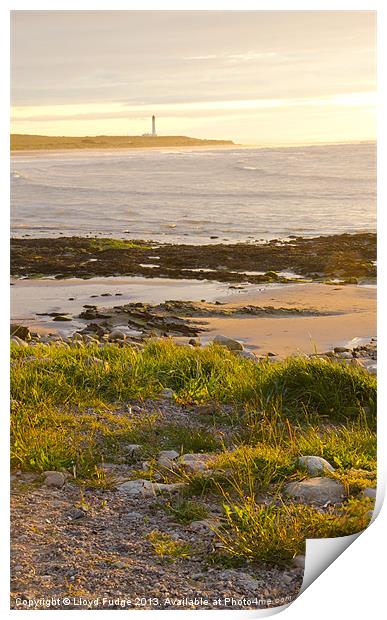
(153, 125)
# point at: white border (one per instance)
(354, 585)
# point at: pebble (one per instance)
(76, 513)
(298, 561)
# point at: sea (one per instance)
(195, 196)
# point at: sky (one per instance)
(254, 77)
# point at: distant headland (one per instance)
(26, 142)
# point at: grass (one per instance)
(275, 534)
(69, 415)
(167, 547)
(186, 511)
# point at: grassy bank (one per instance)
(74, 408)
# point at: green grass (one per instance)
(299, 387)
(275, 534)
(167, 547)
(186, 511)
(70, 415)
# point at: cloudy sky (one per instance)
(261, 77)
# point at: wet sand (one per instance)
(355, 318)
(354, 309)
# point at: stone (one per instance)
(372, 369)
(316, 491)
(249, 355)
(299, 561)
(54, 479)
(166, 458)
(167, 393)
(315, 464)
(369, 492)
(19, 341)
(117, 334)
(195, 462)
(341, 350)
(229, 343)
(344, 355)
(62, 317)
(133, 450)
(204, 525)
(76, 513)
(147, 488)
(21, 331)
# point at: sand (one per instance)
(356, 318)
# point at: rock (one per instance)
(166, 458)
(229, 343)
(54, 479)
(271, 354)
(20, 331)
(204, 526)
(76, 513)
(195, 462)
(369, 492)
(315, 464)
(117, 334)
(341, 350)
(167, 393)
(345, 356)
(147, 488)
(244, 580)
(316, 491)
(96, 362)
(19, 341)
(299, 561)
(133, 450)
(372, 369)
(249, 355)
(132, 516)
(62, 317)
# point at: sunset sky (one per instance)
(262, 77)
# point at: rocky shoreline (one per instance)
(339, 259)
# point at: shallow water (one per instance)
(189, 196)
(31, 297)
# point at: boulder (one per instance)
(19, 341)
(315, 464)
(147, 488)
(229, 343)
(195, 462)
(369, 492)
(316, 491)
(20, 331)
(62, 317)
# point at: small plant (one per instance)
(167, 547)
(275, 534)
(185, 511)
